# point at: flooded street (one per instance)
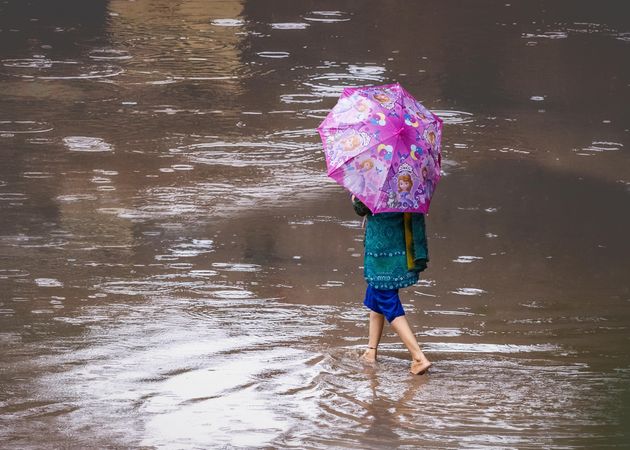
(177, 271)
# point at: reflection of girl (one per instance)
(395, 253)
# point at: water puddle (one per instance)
(179, 271)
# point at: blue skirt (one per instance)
(384, 301)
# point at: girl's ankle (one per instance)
(419, 357)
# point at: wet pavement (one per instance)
(176, 270)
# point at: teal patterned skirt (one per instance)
(385, 264)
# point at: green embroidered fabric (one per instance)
(385, 262)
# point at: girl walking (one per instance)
(395, 253)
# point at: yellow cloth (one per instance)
(409, 241)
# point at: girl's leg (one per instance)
(377, 322)
(420, 362)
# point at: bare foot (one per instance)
(418, 367)
(369, 356)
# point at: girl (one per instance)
(395, 253)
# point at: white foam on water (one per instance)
(48, 282)
(467, 259)
(468, 291)
(290, 25)
(275, 55)
(228, 22)
(86, 144)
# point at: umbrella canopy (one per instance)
(383, 146)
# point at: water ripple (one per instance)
(11, 127)
(333, 84)
(300, 98)
(46, 69)
(453, 117)
(109, 54)
(246, 153)
(327, 16)
(273, 55)
(236, 267)
(599, 147)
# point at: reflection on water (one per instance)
(178, 271)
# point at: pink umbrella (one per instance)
(384, 147)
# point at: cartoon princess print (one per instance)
(357, 176)
(370, 170)
(366, 164)
(391, 200)
(410, 107)
(349, 141)
(431, 137)
(385, 98)
(353, 181)
(405, 183)
(353, 109)
(421, 117)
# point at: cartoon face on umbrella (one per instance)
(385, 98)
(352, 140)
(352, 110)
(343, 144)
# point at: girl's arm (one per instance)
(359, 207)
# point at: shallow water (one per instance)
(177, 270)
